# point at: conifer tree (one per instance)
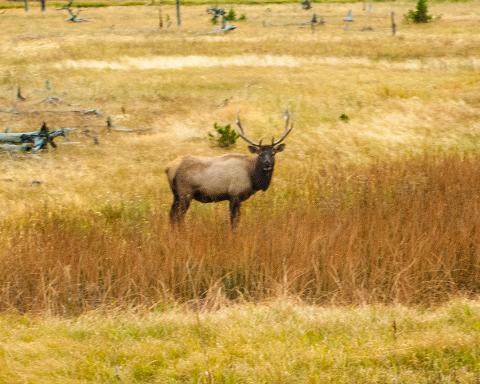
(420, 15)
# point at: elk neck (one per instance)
(260, 179)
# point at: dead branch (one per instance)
(111, 127)
(19, 94)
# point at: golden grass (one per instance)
(380, 208)
(406, 232)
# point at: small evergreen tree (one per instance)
(225, 136)
(420, 15)
(231, 15)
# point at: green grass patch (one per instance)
(281, 342)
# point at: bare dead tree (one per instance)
(160, 18)
(73, 15)
(315, 21)
(394, 25)
(179, 16)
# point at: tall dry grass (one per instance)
(405, 231)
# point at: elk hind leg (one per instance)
(179, 208)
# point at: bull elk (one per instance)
(233, 177)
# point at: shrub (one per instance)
(225, 136)
(231, 15)
(420, 15)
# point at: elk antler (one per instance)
(242, 134)
(286, 131)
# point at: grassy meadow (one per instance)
(361, 263)
(276, 342)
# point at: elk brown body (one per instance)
(232, 177)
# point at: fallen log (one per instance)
(16, 148)
(92, 111)
(34, 141)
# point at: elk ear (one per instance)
(253, 149)
(279, 148)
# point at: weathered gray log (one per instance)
(36, 140)
(225, 29)
(15, 148)
(29, 137)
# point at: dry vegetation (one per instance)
(382, 208)
(406, 231)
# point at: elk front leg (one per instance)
(234, 212)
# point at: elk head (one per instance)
(266, 153)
